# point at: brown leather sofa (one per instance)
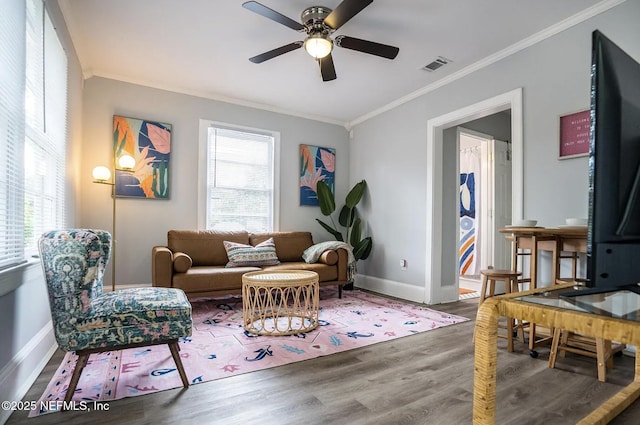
(195, 260)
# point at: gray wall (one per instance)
(141, 223)
(389, 150)
(496, 125)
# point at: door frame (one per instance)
(435, 291)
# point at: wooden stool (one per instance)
(564, 341)
(510, 278)
(529, 245)
(600, 349)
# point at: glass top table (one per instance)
(622, 304)
(612, 316)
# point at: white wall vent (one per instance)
(436, 64)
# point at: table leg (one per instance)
(485, 363)
(555, 261)
(533, 273)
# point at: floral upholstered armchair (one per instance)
(86, 320)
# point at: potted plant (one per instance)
(348, 218)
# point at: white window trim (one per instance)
(202, 168)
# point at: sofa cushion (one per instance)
(205, 247)
(325, 272)
(289, 245)
(181, 262)
(241, 255)
(212, 278)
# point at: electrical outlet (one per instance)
(403, 264)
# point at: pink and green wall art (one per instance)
(316, 164)
(149, 143)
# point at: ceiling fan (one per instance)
(319, 22)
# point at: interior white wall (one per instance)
(451, 197)
(389, 150)
(143, 223)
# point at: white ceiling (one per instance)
(202, 47)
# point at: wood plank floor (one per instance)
(421, 379)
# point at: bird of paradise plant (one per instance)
(348, 218)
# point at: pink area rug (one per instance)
(219, 346)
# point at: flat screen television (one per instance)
(613, 241)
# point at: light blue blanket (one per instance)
(313, 253)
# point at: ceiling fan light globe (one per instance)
(318, 46)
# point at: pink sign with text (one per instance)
(574, 134)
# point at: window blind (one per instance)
(12, 121)
(240, 180)
(46, 127)
(33, 110)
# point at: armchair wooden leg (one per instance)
(77, 371)
(175, 353)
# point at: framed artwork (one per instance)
(316, 164)
(149, 143)
(574, 134)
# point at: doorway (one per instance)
(442, 221)
(484, 167)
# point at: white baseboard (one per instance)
(391, 288)
(22, 371)
(405, 291)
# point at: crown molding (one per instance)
(513, 49)
(216, 97)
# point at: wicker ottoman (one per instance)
(280, 302)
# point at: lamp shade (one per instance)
(126, 162)
(101, 174)
(318, 45)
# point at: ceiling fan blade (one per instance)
(276, 52)
(327, 69)
(345, 11)
(365, 46)
(263, 10)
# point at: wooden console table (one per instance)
(554, 239)
(538, 306)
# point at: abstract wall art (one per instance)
(149, 143)
(316, 164)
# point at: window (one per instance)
(46, 127)
(241, 176)
(33, 97)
